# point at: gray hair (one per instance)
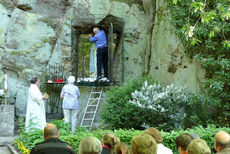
(198, 146)
(71, 79)
(90, 145)
(95, 29)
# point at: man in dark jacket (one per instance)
(52, 144)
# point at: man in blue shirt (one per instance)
(99, 38)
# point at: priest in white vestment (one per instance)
(35, 113)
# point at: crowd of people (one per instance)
(150, 142)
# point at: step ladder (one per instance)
(91, 108)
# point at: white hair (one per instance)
(95, 29)
(71, 79)
(90, 144)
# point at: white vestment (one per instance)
(35, 113)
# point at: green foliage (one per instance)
(204, 29)
(30, 139)
(118, 112)
(136, 106)
(199, 109)
(174, 106)
(64, 128)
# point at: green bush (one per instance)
(118, 112)
(137, 105)
(173, 106)
(30, 139)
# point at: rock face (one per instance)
(35, 34)
(168, 62)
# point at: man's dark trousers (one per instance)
(102, 59)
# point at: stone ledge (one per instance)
(7, 140)
(7, 120)
(13, 149)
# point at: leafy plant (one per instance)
(166, 103)
(174, 107)
(118, 112)
(64, 128)
(204, 28)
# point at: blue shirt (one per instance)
(99, 39)
(70, 93)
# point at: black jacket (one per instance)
(52, 146)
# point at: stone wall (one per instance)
(6, 120)
(34, 34)
(168, 62)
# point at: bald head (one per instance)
(222, 139)
(51, 131)
(95, 30)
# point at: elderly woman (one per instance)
(90, 145)
(198, 146)
(143, 144)
(70, 94)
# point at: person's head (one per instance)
(110, 140)
(90, 145)
(198, 146)
(221, 140)
(71, 80)
(117, 142)
(156, 134)
(195, 136)
(143, 144)
(122, 148)
(51, 131)
(95, 30)
(34, 80)
(182, 142)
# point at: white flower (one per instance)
(191, 29)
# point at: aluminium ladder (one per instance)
(91, 108)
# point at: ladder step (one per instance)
(94, 98)
(85, 126)
(96, 92)
(92, 105)
(90, 112)
(87, 119)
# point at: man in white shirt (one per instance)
(161, 149)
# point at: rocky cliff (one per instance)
(36, 33)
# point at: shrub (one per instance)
(118, 112)
(163, 104)
(174, 107)
(137, 105)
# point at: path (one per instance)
(5, 150)
(6, 145)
